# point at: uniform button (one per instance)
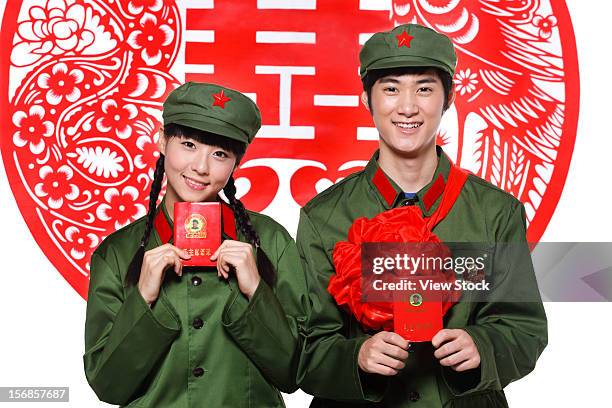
(195, 281)
(410, 348)
(197, 323)
(413, 396)
(198, 371)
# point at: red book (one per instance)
(197, 230)
(417, 320)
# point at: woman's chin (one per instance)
(198, 197)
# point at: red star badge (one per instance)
(403, 40)
(220, 99)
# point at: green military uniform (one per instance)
(509, 335)
(202, 343)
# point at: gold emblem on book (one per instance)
(195, 226)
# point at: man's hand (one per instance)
(456, 349)
(384, 354)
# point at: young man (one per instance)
(407, 76)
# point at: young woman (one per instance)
(160, 335)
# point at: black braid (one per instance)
(243, 221)
(133, 274)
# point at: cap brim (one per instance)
(211, 125)
(406, 61)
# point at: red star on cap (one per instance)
(220, 99)
(403, 39)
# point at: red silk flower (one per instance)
(404, 224)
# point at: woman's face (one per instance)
(195, 172)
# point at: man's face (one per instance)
(407, 110)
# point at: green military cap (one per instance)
(213, 108)
(408, 45)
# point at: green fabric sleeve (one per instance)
(124, 337)
(479, 399)
(510, 330)
(267, 328)
(327, 353)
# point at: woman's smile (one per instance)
(195, 185)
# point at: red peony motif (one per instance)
(116, 117)
(545, 24)
(120, 206)
(55, 184)
(136, 7)
(403, 224)
(150, 38)
(32, 128)
(55, 29)
(81, 242)
(61, 84)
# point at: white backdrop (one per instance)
(41, 343)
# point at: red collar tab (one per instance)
(165, 232)
(435, 191)
(228, 221)
(162, 226)
(384, 187)
(386, 190)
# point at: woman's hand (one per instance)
(154, 264)
(240, 257)
(456, 349)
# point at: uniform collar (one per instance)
(391, 195)
(164, 226)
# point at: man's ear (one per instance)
(161, 141)
(364, 100)
(451, 98)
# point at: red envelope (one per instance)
(197, 229)
(417, 320)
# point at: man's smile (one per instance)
(408, 125)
